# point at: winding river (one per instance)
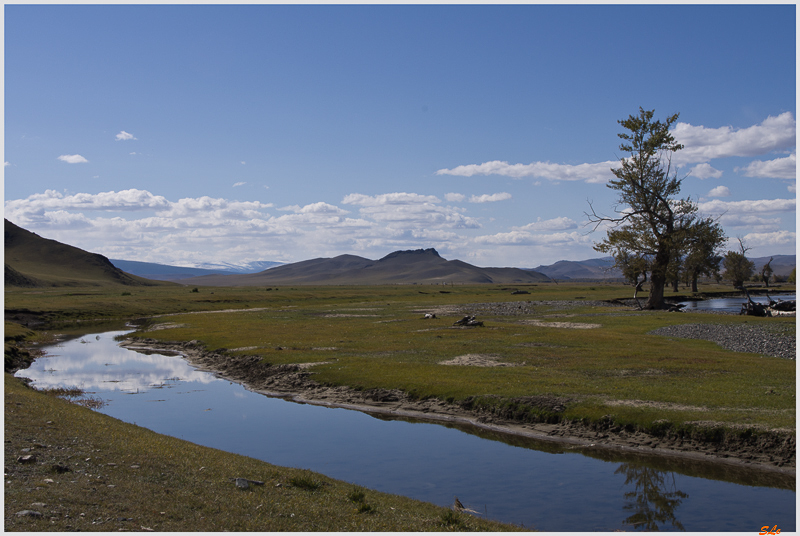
(541, 486)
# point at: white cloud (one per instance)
(743, 207)
(591, 173)
(124, 136)
(243, 162)
(397, 198)
(779, 168)
(751, 222)
(72, 159)
(556, 224)
(705, 171)
(315, 208)
(777, 238)
(136, 224)
(239, 184)
(454, 198)
(702, 144)
(719, 191)
(487, 198)
(6, 164)
(524, 238)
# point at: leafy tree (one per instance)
(792, 277)
(702, 258)
(652, 224)
(738, 268)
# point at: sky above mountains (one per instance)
(204, 133)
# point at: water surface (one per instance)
(539, 485)
(733, 305)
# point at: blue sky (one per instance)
(198, 133)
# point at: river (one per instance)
(539, 485)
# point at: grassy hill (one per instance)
(33, 261)
(421, 266)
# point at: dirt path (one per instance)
(771, 452)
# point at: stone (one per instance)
(29, 513)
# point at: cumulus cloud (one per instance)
(490, 198)
(705, 171)
(315, 208)
(122, 136)
(777, 238)
(591, 173)
(556, 224)
(397, 198)
(72, 159)
(524, 238)
(239, 184)
(137, 224)
(454, 198)
(702, 144)
(749, 206)
(779, 168)
(719, 191)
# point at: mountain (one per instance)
(781, 265)
(33, 261)
(422, 266)
(602, 268)
(165, 272)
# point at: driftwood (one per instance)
(782, 305)
(468, 320)
(752, 308)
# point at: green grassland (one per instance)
(374, 337)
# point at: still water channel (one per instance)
(730, 305)
(539, 485)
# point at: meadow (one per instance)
(599, 358)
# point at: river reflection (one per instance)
(546, 486)
(653, 499)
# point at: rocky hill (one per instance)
(421, 266)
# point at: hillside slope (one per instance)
(422, 266)
(33, 261)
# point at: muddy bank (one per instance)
(773, 451)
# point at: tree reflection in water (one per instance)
(653, 499)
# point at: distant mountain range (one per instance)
(32, 261)
(165, 272)
(421, 266)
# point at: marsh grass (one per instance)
(375, 337)
(618, 369)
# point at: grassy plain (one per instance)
(374, 337)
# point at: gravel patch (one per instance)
(513, 308)
(738, 338)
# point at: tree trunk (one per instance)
(658, 278)
(694, 283)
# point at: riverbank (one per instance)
(68, 468)
(768, 450)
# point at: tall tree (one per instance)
(702, 257)
(738, 268)
(652, 223)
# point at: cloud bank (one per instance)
(701, 144)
